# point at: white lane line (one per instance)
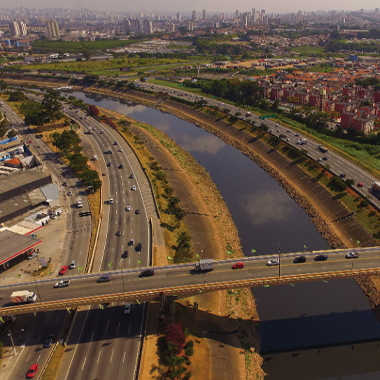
(84, 362)
(112, 355)
(117, 330)
(124, 356)
(98, 356)
(57, 319)
(39, 337)
(38, 358)
(29, 357)
(92, 336)
(129, 329)
(108, 321)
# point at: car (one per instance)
(273, 262)
(342, 175)
(120, 166)
(32, 371)
(147, 273)
(133, 188)
(288, 130)
(62, 284)
(288, 139)
(120, 150)
(238, 266)
(110, 201)
(359, 184)
(137, 212)
(127, 308)
(128, 208)
(125, 255)
(108, 164)
(101, 132)
(63, 270)
(296, 134)
(115, 143)
(278, 131)
(30, 256)
(118, 233)
(69, 193)
(320, 258)
(49, 341)
(271, 131)
(319, 159)
(132, 176)
(299, 259)
(72, 265)
(352, 255)
(64, 184)
(324, 158)
(138, 247)
(131, 242)
(104, 278)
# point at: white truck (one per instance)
(23, 296)
(205, 265)
(376, 186)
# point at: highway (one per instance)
(338, 164)
(126, 284)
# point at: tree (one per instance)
(87, 54)
(174, 335)
(142, 78)
(4, 127)
(350, 182)
(12, 133)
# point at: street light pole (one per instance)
(13, 345)
(279, 261)
(121, 271)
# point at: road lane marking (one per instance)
(38, 358)
(92, 336)
(84, 362)
(124, 356)
(112, 355)
(98, 356)
(108, 321)
(117, 330)
(129, 329)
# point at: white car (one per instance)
(127, 308)
(273, 262)
(128, 208)
(72, 265)
(133, 188)
(62, 284)
(120, 150)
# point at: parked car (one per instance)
(32, 371)
(63, 270)
(321, 258)
(238, 266)
(72, 265)
(30, 257)
(127, 308)
(104, 278)
(273, 262)
(352, 255)
(62, 284)
(299, 259)
(147, 273)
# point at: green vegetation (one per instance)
(54, 363)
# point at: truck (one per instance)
(322, 148)
(23, 296)
(205, 265)
(376, 186)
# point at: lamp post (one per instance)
(279, 261)
(13, 345)
(121, 271)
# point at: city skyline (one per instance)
(271, 6)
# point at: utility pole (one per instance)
(279, 261)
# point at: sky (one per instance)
(271, 6)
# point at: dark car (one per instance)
(138, 247)
(132, 176)
(320, 258)
(109, 164)
(299, 259)
(137, 212)
(118, 233)
(49, 341)
(342, 175)
(121, 166)
(104, 278)
(125, 254)
(32, 371)
(147, 273)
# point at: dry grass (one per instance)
(54, 363)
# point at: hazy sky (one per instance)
(270, 6)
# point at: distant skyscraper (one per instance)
(171, 28)
(53, 28)
(179, 17)
(23, 30)
(237, 13)
(377, 10)
(147, 26)
(263, 11)
(189, 26)
(14, 28)
(194, 16)
(204, 14)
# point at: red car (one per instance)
(63, 270)
(32, 371)
(238, 266)
(360, 184)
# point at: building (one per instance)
(194, 16)
(204, 14)
(189, 26)
(14, 28)
(147, 27)
(52, 29)
(171, 28)
(138, 26)
(22, 27)
(179, 17)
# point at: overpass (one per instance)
(179, 281)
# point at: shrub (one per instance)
(189, 351)
(190, 343)
(187, 375)
(186, 332)
(174, 334)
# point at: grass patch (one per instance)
(51, 371)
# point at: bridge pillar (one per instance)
(171, 303)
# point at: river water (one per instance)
(314, 330)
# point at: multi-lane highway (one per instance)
(128, 284)
(338, 164)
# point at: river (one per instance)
(318, 330)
